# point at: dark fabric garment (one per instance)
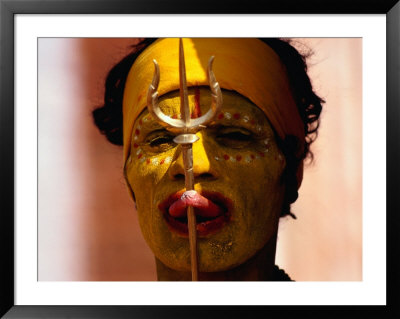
(280, 275)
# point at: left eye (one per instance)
(234, 137)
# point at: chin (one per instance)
(214, 256)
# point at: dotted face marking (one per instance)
(243, 118)
(238, 117)
(139, 153)
(246, 158)
(156, 161)
(238, 158)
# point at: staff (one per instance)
(186, 129)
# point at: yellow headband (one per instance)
(245, 65)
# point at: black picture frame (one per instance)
(8, 10)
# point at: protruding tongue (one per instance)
(203, 206)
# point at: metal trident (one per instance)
(186, 128)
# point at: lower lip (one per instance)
(205, 228)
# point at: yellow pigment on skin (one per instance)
(244, 65)
(247, 172)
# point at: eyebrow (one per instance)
(147, 121)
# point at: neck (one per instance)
(258, 268)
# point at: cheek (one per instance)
(144, 171)
(260, 194)
(253, 178)
(263, 160)
(142, 166)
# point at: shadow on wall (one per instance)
(114, 244)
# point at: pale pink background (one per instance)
(88, 228)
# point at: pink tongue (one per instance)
(203, 206)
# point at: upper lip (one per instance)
(212, 211)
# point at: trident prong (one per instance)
(152, 103)
(186, 128)
(177, 126)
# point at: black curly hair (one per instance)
(108, 117)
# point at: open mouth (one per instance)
(212, 211)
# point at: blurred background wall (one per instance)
(88, 228)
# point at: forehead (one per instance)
(234, 105)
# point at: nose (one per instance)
(202, 168)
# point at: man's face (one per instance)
(237, 167)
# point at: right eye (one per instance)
(159, 141)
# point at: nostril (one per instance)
(179, 176)
(206, 176)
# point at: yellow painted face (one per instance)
(237, 166)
